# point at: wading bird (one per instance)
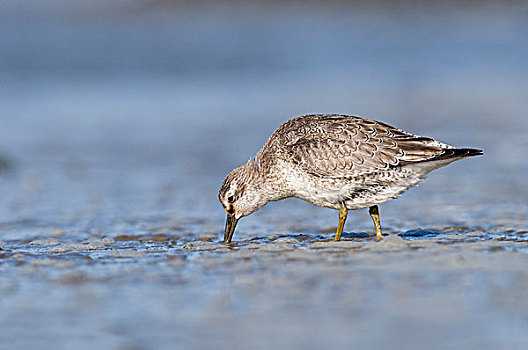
(334, 161)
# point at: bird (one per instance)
(335, 161)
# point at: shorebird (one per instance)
(334, 161)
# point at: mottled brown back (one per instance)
(345, 146)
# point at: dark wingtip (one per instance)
(451, 153)
(466, 152)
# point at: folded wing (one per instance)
(338, 146)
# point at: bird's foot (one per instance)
(375, 236)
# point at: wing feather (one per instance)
(346, 146)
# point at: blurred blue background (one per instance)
(124, 116)
(105, 103)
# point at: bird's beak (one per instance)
(231, 222)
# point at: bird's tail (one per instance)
(460, 153)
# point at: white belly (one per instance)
(357, 193)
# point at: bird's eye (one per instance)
(230, 199)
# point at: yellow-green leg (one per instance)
(374, 214)
(342, 218)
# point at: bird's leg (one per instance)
(374, 214)
(342, 218)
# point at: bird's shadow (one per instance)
(419, 233)
(409, 234)
(357, 235)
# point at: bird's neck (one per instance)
(270, 184)
(273, 187)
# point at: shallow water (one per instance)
(119, 123)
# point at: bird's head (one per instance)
(240, 195)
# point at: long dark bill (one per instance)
(231, 222)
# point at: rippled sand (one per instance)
(298, 290)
